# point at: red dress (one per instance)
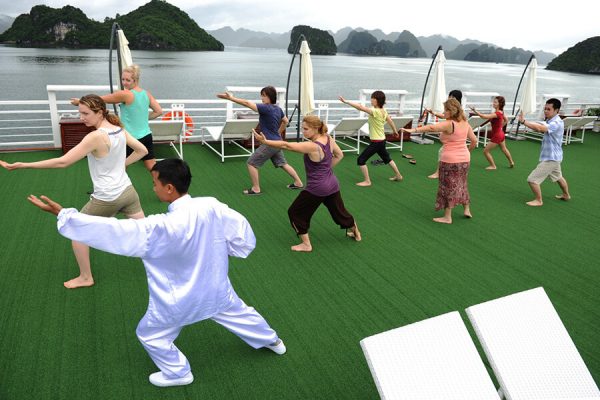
(497, 131)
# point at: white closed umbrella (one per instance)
(437, 91)
(528, 98)
(124, 52)
(307, 92)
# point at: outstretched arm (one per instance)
(87, 145)
(443, 127)
(541, 128)
(242, 102)
(437, 114)
(359, 107)
(486, 116)
(302, 147)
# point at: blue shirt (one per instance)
(269, 119)
(552, 140)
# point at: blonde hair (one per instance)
(456, 112)
(315, 123)
(135, 72)
(96, 104)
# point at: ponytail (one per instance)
(113, 119)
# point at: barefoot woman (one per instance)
(321, 154)
(105, 150)
(455, 160)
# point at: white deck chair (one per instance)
(475, 123)
(580, 124)
(171, 130)
(567, 121)
(434, 359)
(530, 350)
(400, 122)
(348, 127)
(234, 129)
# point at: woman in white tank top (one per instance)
(105, 150)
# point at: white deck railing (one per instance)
(35, 124)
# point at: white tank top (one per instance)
(108, 173)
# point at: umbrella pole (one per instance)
(427, 79)
(112, 37)
(287, 86)
(516, 95)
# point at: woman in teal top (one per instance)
(135, 103)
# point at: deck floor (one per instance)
(62, 344)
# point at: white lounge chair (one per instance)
(348, 127)
(399, 122)
(234, 129)
(568, 123)
(434, 359)
(172, 131)
(580, 124)
(476, 123)
(530, 350)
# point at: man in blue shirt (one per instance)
(270, 118)
(551, 154)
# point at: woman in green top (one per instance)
(135, 103)
(378, 116)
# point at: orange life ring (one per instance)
(189, 123)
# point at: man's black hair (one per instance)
(554, 102)
(174, 171)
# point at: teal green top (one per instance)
(135, 115)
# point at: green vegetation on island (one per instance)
(583, 58)
(156, 25)
(320, 42)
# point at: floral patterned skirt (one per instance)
(452, 189)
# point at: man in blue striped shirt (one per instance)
(551, 154)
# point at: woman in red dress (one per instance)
(497, 120)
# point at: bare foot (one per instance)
(307, 248)
(354, 233)
(363, 183)
(399, 178)
(511, 165)
(535, 203)
(433, 176)
(443, 220)
(491, 168)
(468, 214)
(563, 197)
(79, 282)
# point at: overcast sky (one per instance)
(550, 25)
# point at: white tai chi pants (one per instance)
(240, 319)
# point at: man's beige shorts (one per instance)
(543, 170)
(127, 203)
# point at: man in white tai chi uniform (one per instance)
(185, 252)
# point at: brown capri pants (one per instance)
(305, 205)
(127, 203)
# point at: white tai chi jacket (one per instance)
(185, 252)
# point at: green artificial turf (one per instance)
(80, 344)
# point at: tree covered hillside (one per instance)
(156, 25)
(584, 58)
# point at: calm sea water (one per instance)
(24, 74)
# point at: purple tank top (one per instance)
(319, 175)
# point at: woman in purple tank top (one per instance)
(321, 154)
